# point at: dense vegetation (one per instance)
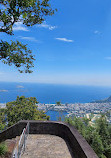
(98, 136)
(3, 149)
(2, 118)
(21, 109)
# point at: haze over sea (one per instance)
(50, 93)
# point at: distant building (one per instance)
(2, 105)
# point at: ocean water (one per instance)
(54, 115)
(50, 93)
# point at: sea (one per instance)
(50, 93)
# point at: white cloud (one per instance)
(44, 25)
(29, 38)
(19, 86)
(108, 58)
(19, 27)
(52, 27)
(3, 90)
(97, 32)
(64, 39)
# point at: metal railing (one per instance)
(22, 143)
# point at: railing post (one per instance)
(24, 141)
(18, 151)
(28, 127)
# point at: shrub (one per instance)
(3, 149)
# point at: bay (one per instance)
(56, 115)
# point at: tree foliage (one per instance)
(58, 103)
(3, 149)
(2, 118)
(24, 109)
(99, 137)
(29, 12)
(17, 54)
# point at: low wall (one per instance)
(13, 131)
(78, 146)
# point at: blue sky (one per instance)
(71, 47)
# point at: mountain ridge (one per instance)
(107, 100)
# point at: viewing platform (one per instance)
(45, 146)
(49, 139)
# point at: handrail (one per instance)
(22, 142)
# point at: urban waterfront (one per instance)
(59, 112)
(89, 110)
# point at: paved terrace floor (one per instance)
(46, 146)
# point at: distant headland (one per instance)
(107, 100)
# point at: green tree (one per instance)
(29, 12)
(103, 129)
(91, 116)
(86, 120)
(3, 149)
(99, 136)
(97, 144)
(24, 109)
(61, 116)
(2, 118)
(58, 103)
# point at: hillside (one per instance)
(107, 100)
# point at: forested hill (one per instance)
(107, 100)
